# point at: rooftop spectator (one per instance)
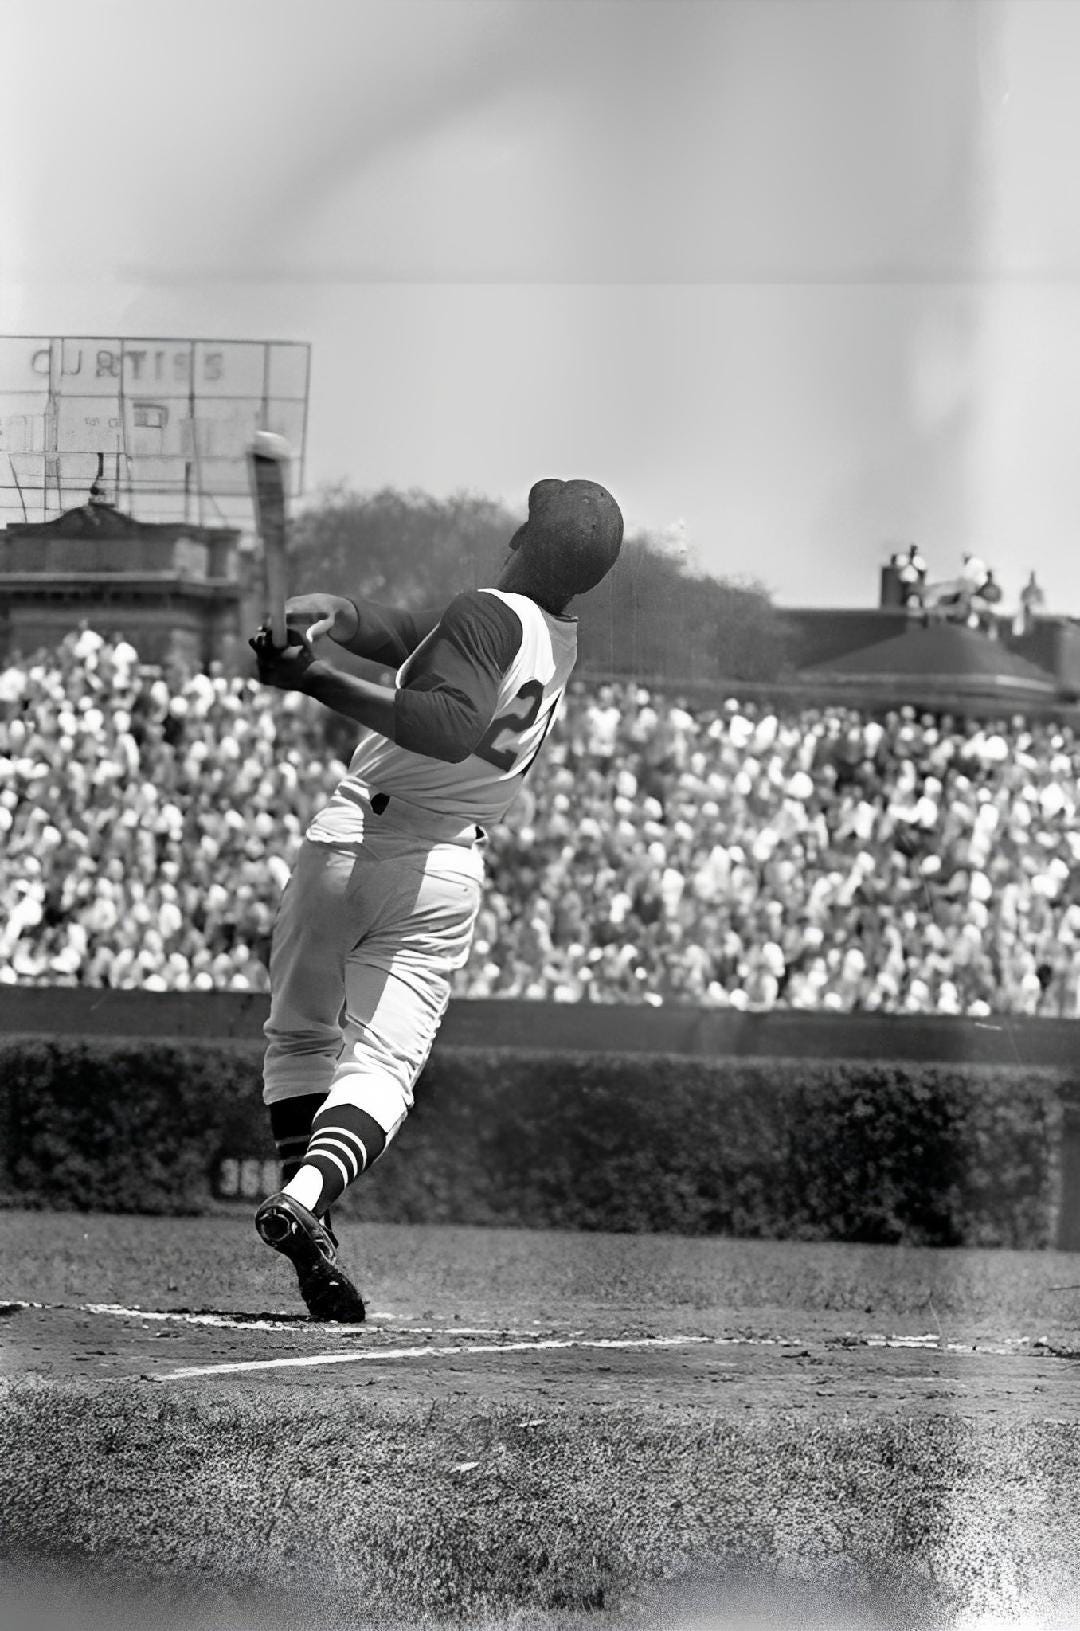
(1032, 604)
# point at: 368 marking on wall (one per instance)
(247, 1178)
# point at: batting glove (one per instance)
(281, 666)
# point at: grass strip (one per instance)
(372, 1510)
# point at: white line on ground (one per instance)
(271, 1322)
(451, 1349)
(296, 1326)
(228, 1322)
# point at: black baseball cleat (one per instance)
(312, 1250)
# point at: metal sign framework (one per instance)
(163, 425)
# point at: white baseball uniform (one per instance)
(381, 906)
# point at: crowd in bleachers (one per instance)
(661, 851)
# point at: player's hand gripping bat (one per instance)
(282, 667)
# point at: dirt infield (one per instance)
(545, 1425)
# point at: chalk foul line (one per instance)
(360, 1355)
(380, 1323)
(293, 1323)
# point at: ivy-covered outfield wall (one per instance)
(953, 1150)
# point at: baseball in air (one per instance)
(268, 445)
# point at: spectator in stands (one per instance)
(736, 856)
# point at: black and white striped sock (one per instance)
(344, 1142)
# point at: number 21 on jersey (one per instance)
(515, 736)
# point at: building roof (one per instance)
(100, 520)
(941, 653)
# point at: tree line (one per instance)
(651, 618)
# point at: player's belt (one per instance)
(413, 818)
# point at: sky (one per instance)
(799, 280)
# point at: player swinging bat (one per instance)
(380, 909)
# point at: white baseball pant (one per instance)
(365, 943)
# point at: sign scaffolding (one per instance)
(163, 425)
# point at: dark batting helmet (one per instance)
(574, 533)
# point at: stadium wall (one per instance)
(779, 1033)
(165, 1087)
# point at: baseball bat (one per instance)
(268, 467)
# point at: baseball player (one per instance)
(380, 908)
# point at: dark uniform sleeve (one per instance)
(386, 634)
(451, 684)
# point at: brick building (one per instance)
(177, 592)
